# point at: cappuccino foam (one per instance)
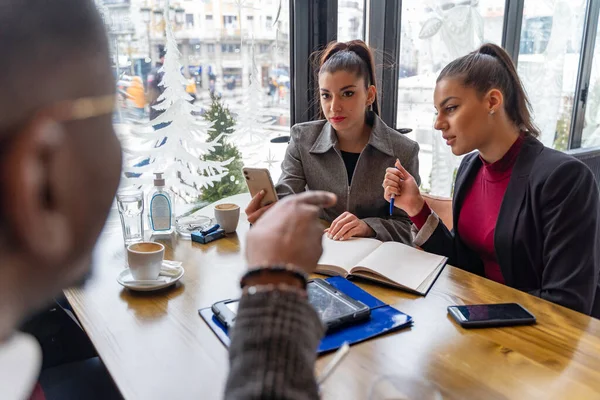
(145, 247)
(227, 207)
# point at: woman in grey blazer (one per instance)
(348, 151)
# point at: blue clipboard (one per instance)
(384, 319)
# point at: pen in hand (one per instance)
(392, 198)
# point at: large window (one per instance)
(351, 16)
(549, 54)
(235, 71)
(226, 44)
(432, 36)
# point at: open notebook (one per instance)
(391, 263)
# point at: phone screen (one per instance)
(233, 306)
(493, 312)
(328, 306)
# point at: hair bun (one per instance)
(488, 49)
(335, 48)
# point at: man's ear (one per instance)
(32, 218)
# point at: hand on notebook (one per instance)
(348, 225)
(402, 185)
(290, 232)
(254, 210)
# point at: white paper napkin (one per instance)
(170, 268)
(168, 271)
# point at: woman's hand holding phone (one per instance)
(254, 210)
(262, 190)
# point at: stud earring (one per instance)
(492, 112)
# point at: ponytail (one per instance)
(353, 56)
(490, 67)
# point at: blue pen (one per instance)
(392, 202)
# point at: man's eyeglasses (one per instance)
(83, 108)
(72, 110)
(66, 111)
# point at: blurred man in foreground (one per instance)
(60, 165)
(59, 162)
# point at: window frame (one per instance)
(304, 40)
(584, 74)
(511, 27)
(383, 36)
(381, 29)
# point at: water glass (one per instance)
(131, 210)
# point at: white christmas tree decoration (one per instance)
(175, 149)
(250, 135)
(270, 161)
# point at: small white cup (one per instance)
(145, 260)
(228, 216)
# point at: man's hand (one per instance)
(290, 233)
(348, 225)
(254, 211)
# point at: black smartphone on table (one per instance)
(335, 309)
(491, 315)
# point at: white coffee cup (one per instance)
(228, 216)
(145, 260)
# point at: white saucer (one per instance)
(125, 275)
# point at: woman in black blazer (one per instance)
(524, 215)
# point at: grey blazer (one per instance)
(313, 162)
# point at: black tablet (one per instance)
(336, 309)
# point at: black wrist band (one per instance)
(289, 270)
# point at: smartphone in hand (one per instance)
(259, 179)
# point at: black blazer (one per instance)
(547, 236)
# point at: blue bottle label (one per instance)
(160, 212)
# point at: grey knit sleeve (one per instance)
(273, 348)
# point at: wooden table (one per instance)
(157, 347)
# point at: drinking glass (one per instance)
(131, 210)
